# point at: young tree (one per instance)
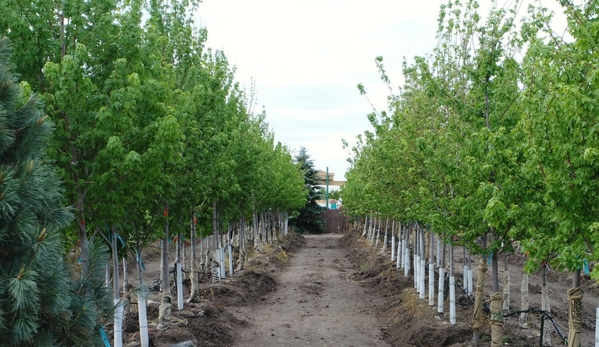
(39, 303)
(310, 218)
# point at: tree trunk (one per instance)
(399, 263)
(452, 312)
(575, 311)
(470, 283)
(406, 251)
(140, 277)
(164, 263)
(546, 306)
(115, 266)
(523, 320)
(264, 229)
(496, 305)
(242, 245)
(194, 295)
(126, 285)
(506, 285)
(422, 271)
(230, 249)
(141, 301)
(438, 259)
(107, 275)
(416, 258)
(143, 320)
(371, 231)
(214, 226)
(255, 228)
(465, 269)
(179, 272)
(118, 312)
(393, 241)
(222, 261)
(386, 238)
(496, 320)
(495, 271)
(431, 272)
(378, 234)
(164, 311)
(478, 302)
(441, 296)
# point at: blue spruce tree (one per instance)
(42, 303)
(311, 216)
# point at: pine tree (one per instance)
(311, 216)
(40, 303)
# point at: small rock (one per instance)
(184, 344)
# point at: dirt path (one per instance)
(315, 304)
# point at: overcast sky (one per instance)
(308, 56)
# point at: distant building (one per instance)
(322, 179)
(333, 203)
(333, 185)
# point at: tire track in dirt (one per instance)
(316, 303)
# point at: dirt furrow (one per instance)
(315, 304)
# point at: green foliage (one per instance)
(559, 122)
(481, 145)
(335, 194)
(40, 304)
(146, 116)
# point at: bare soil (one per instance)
(211, 323)
(410, 321)
(334, 290)
(316, 303)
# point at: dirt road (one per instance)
(316, 304)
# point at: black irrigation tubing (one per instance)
(486, 308)
(546, 315)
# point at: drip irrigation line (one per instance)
(486, 308)
(546, 315)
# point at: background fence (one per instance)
(335, 221)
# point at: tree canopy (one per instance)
(491, 135)
(146, 115)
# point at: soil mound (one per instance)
(205, 323)
(246, 287)
(292, 241)
(408, 320)
(208, 323)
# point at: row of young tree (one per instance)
(150, 132)
(491, 141)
